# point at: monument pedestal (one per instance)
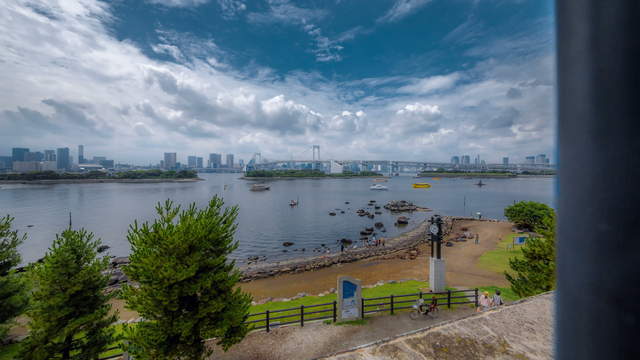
(437, 275)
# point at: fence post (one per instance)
(334, 311)
(391, 304)
(125, 354)
(449, 299)
(420, 294)
(301, 315)
(362, 308)
(267, 321)
(476, 296)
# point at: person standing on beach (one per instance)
(373, 240)
(341, 247)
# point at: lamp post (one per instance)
(436, 262)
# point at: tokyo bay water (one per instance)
(265, 218)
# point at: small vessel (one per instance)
(480, 183)
(293, 203)
(435, 178)
(380, 180)
(259, 187)
(421, 186)
(378, 187)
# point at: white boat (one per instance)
(259, 187)
(378, 187)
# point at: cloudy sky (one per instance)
(384, 79)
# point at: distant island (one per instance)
(52, 177)
(305, 174)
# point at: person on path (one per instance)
(341, 247)
(484, 302)
(373, 240)
(497, 299)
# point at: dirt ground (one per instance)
(461, 266)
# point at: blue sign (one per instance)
(520, 240)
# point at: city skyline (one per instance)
(277, 77)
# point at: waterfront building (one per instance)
(80, 154)
(335, 167)
(541, 159)
(6, 162)
(455, 160)
(192, 161)
(170, 160)
(97, 159)
(49, 155)
(107, 164)
(34, 156)
(25, 166)
(215, 161)
(18, 154)
(466, 160)
(230, 161)
(199, 162)
(48, 166)
(241, 163)
(505, 161)
(530, 160)
(63, 160)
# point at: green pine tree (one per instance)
(534, 272)
(187, 285)
(13, 299)
(69, 311)
(528, 214)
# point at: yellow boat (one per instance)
(435, 178)
(421, 186)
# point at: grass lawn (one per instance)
(498, 260)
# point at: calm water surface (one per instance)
(265, 220)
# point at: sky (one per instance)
(418, 80)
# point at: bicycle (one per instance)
(420, 309)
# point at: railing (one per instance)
(295, 315)
(398, 302)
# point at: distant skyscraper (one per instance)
(170, 160)
(6, 162)
(18, 154)
(192, 161)
(541, 159)
(530, 160)
(34, 156)
(229, 160)
(80, 154)
(49, 155)
(455, 160)
(466, 160)
(241, 163)
(199, 163)
(505, 161)
(477, 160)
(215, 161)
(63, 161)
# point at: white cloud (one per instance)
(431, 84)
(178, 3)
(402, 9)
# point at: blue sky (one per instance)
(393, 79)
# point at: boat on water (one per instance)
(259, 187)
(378, 187)
(293, 203)
(379, 180)
(421, 186)
(480, 183)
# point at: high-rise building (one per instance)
(170, 160)
(230, 160)
(530, 160)
(541, 159)
(505, 161)
(34, 156)
(192, 161)
(63, 161)
(466, 160)
(6, 162)
(18, 154)
(80, 154)
(97, 159)
(215, 161)
(241, 163)
(49, 155)
(199, 162)
(455, 160)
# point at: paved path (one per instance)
(318, 339)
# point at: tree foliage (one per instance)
(13, 297)
(534, 271)
(69, 311)
(528, 214)
(92, 175)
(187, 285)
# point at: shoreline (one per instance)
(310, 177)
(95, 181)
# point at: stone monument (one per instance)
(349, 298)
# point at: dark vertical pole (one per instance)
(267, 321)
(449, 299)
(391, 297)
(335, 312)
(362, 308)
(301, 315)
(420, 294)
(475, 296)
(598, 51)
